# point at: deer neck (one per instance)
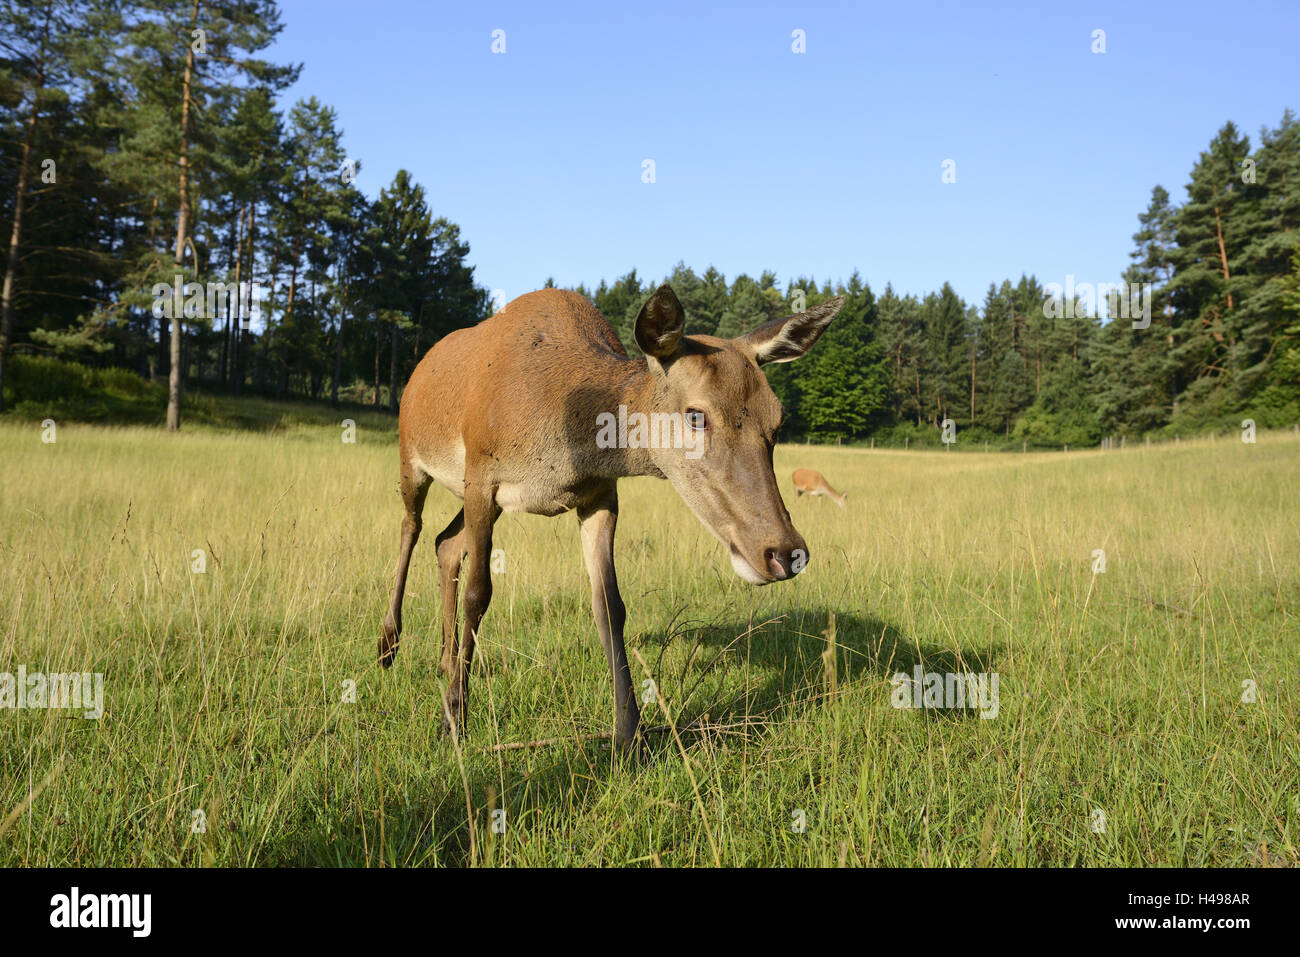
(623, 388)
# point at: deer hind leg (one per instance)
(597, 521)
(451, 551)
(415, 485)
(481, 513)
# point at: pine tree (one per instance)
(713, 300)
(902, 339)
(1209, 234)
(1271, 208)
(399, 246)
(945, 375)
(215, 40)
(844, 384)
(746, 309)
(311, 187)
(44, 43)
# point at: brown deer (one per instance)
(814, 483)
(506, 416)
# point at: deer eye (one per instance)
(696, 420)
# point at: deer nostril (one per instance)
(777, 564)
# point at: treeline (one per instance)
(142, 142)
(145, 157)
(1210, 330)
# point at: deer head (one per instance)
(731, 416)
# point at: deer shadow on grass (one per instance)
(794, 660)
(725, 679)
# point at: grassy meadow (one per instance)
(1124, 734)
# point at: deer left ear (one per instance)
(784, 340)
(660, 324)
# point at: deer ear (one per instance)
(660, 324)
(784, 340)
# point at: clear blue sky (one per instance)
(805, 164)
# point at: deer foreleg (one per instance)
(598, 520)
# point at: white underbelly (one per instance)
(542, 493)
(448, 470)
(521, 497)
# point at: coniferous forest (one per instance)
(146, 146)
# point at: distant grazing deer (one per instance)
(506, 416)
(814, 483)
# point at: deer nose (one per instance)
(786, 562)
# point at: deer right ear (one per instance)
(660, 324)
(784, 340)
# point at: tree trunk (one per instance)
(236, 237)
(239, 301)
(15, 237)
(238, 372)
(182, 228)
(972, 387)
(344, 302)
(1223, 258)
(288, 319)
(392, 370)
(919, 405)
(379, 345)
(266, 331)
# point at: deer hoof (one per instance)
(388, 645)
(630, 749)
(453, 715)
